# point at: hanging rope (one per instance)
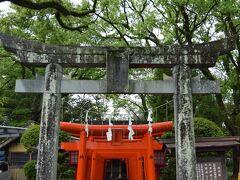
(149, 119)
(131, 132)
(95, 112)
(109, 132)
(86, 123)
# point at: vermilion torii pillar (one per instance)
(117, 61)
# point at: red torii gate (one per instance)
(95, 150)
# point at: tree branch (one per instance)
(52, 5)
(196, 25)
(114, 26)
(63, 25)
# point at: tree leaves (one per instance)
(137, 23)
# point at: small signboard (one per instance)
(211, 168)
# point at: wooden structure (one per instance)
(94, 151)
(220, 145)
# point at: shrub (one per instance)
(202, 128)
(30, 137)
(30, 170)
(30, 141)
(206, 128)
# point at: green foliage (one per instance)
(30, 137)
(30, 140)
(64, 171)
(169, 172)
(30, 170)
(64, 136)
(168, 135)
(126, 23)
(203, 128)
(206, 107)
(206, 128)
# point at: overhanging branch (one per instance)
(56, 5)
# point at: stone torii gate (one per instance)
(117, 62)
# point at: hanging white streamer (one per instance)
(131, 132)
(86, 123)
(149, 119)
(109, 132)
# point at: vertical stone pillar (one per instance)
(49, 129)
(184, 126)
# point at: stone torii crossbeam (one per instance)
(117, 62)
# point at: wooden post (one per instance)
(150, 159)
(82, 157)
(140, 166)
(94, 169)
(49, 129)
(238, 167)
(184, 126)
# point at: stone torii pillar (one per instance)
(49, 128)
(117, 61)
(183, 120)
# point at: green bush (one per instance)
(64, 171)
(30, 137)
(169, 172)
(30, 170)
(30, 141)
(203, 128)
(206, 128)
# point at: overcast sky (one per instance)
(4, 6)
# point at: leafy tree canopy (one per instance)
(128, 23)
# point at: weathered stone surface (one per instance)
(117, 72)
(50, 118)
(184, 128)
(182, 58)
(38, 54)
(135, 87)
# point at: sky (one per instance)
(4, 6)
